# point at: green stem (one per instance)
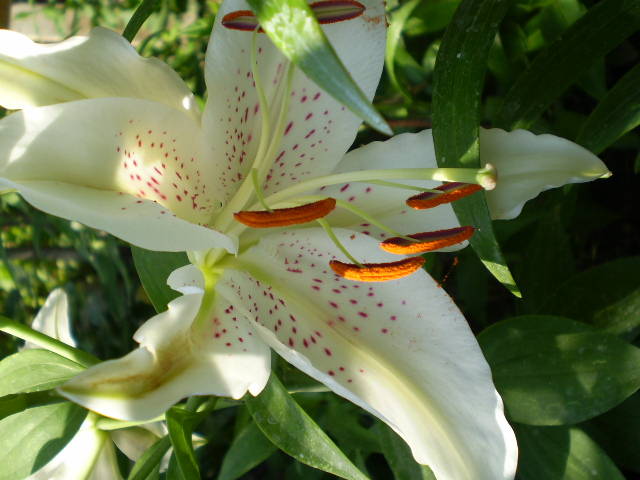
(144, 11)
(56, 346)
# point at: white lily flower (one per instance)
(90, 455)
(142, 165)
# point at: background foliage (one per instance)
(564, 357)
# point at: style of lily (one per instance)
(117, 142)
(90, 454)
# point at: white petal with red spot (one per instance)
(103, 64)
(387, 204)
(528, 164)
(223, 358)
(317, 131)
(400, 349)
(130, 167)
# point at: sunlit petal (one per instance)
(130, 167)
(103, 64)
(400, 349)
(529, 164)
(176, 359)
(317, 131)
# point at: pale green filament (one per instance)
(263, 160)
(325, 225)
(221, 218)
(258, 190)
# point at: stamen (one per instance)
(377, 272)
(258, 190)
(427, 241)
(329, 231)
(330, 11)
(450, 192)
(282, 217)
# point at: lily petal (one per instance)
(127, 166)
(317, 130)
(225, 358)
(53, 318)
(89, 455)
(387, 204)
(103, 64)
(528, 164)
(399, 349)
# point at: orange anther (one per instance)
(377, 272)
(326, 11)
(450, 192)
(282, 217)
(427, 241)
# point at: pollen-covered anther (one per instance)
(377, 272)
(283, 217)
(427, 241)
(326, 11)
(450, 192)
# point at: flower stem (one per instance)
(56, 346)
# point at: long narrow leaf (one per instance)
(288, 426)
(150, 460)
(458, 80)
(563, 62)
(154, 269)
(615, 115)
(294, 29)
(180, 424)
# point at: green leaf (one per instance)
(180, 423)
(555, 371)
(12, 404)
(560, 453)
(34, 370)
(154, 269)
(31, 438)
(399, 457)
(288, 426)
(458, 79)
(618, 432)
(564, 61)
(294, 29)
(150, 460)
(394, 37)
(615, 115)
(248, 449)
(606, 296)
(144, 11)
